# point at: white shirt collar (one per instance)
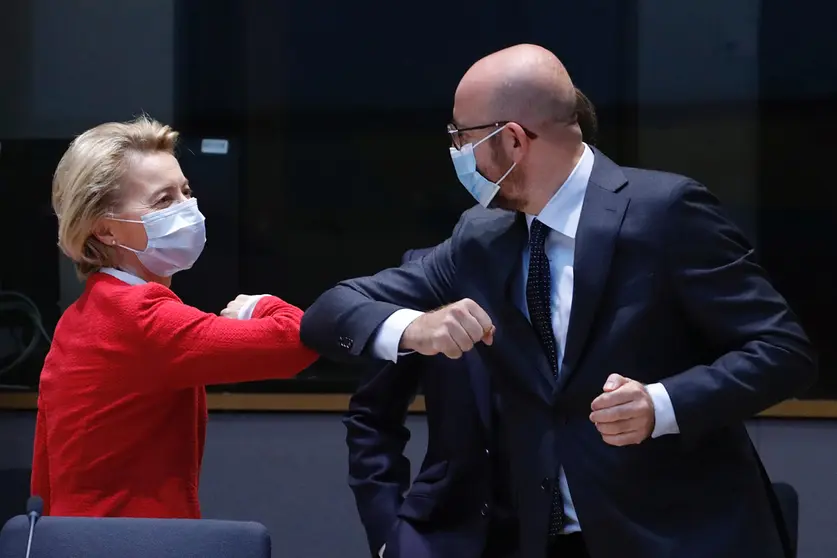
(563, 210)
(123, 276)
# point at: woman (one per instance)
(122, 405)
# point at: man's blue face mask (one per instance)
(465, 163)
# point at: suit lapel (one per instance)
(515, 332)
(598, 228)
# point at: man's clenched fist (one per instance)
(624, 413)
(450, 330)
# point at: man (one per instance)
(623, 317)
(460, 408)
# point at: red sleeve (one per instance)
(189, 347)
(40, 462)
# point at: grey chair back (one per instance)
(110, 537)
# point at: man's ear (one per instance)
(104, 233)
(519, 141)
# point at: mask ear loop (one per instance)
(115, 243)
(502, 178)
(492, 134)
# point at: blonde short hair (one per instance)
(86, 185)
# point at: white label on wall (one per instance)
(215, 146)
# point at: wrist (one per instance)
(410, 337)
(405, 343)
(247, 309)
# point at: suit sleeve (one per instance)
(40, 485)
(379, 472)
(342, 322)
(765, 355)
(189, 347)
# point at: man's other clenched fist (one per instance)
(450, 330)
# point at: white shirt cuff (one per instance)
(664, 420)
(388, 336)
(246, 311)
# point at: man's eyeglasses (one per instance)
(457, 140)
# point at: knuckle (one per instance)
(455, 311)
(449, 322)
(470, 306)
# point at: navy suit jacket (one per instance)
(666, 289)
(445, 512)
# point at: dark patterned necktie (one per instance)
(538, 299)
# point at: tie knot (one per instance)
(537, 233)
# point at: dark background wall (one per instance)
(68, 65)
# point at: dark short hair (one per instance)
(585, 113)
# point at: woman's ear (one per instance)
(104, 233)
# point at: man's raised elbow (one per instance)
(310, 331)
(305, 327)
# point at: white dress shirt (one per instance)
(561, 215)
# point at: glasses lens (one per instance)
(454, 136)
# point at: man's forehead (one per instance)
(468, 109)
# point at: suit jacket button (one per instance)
(484, 509)
(545, 484)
